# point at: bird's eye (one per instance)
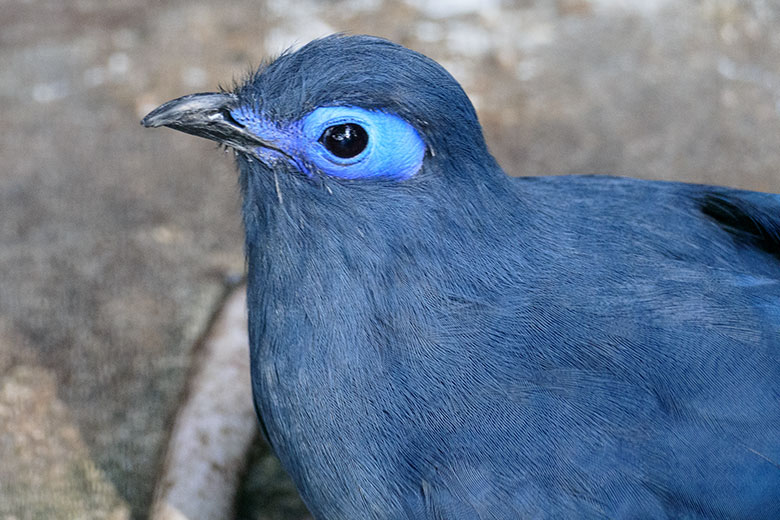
(345, 140)
(356, 143)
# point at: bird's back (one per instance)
(630, 367)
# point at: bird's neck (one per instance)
(350, 253)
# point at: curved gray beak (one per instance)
(207, 115)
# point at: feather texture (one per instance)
(463, 345)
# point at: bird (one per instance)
(431, 338)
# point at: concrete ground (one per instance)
(117, 243)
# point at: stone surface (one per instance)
(115, 241)
(113, 258)
(50, 460)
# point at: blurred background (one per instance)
(117, 244)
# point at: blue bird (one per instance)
(433, 339)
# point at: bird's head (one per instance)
(345, 109)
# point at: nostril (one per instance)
(227, 116)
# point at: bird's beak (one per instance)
(207, 115)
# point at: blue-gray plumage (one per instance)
(433, 339)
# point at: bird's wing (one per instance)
(753, 219)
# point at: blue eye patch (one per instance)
(342, 142)
(394, 149)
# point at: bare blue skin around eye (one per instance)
(394, 151)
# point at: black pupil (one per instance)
(346, 140)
